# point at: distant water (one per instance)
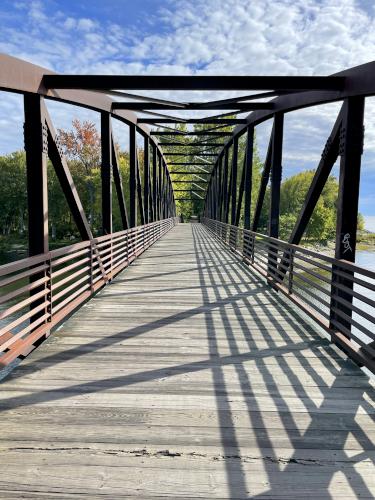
(366, 259)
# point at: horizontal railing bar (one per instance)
(20, 305)
(21, 319)
(64, 270)
(74, 278)
(30, 272)
(20, 291)
(58, 284)
(306, 278)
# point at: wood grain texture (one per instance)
(187, 377)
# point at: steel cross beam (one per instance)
(155, 82)
(208, 121)
(143, 106)
(192, 144)
(218, 134)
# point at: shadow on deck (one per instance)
(187, 377)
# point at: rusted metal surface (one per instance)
(305, 277)
(70, 276)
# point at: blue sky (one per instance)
(295, 37)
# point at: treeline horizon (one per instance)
(82, 148)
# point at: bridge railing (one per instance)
(337, 294)
(38, 292)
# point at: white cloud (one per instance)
(287, 37)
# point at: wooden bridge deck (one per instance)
(187, 377)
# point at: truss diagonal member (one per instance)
(56, 155)
(203, 159)
(119, 188)
(198, 195)
(198, 186)
(328, 159)
(138, 97)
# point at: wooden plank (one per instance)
(187, 363)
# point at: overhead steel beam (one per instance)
(192, 164)
(192, 144)
(142, 106)
(192, 173)
(218, 134)
(185, 190)
(196, 153)
(209, 121)
(219, 82)
(189, 182)
(235, 100)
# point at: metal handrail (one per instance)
(343, 307)
(40, 291)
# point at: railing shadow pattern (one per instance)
(298, 400)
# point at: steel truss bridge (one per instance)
(205, 360)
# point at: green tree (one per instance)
(13, 213)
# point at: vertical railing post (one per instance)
(291, 270)
(351, 149)
(49, 288)
(253, 248)
(91, 267)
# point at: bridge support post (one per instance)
(36, 147)
(351, 149)
(132, 176)
(146, 179)
(160, 186)
(139, 190)
(276, 173)
(248, 176)
(234, 181)
(154, 183)
(106, 173)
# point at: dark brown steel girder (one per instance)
(143, 106)
(155, 82)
